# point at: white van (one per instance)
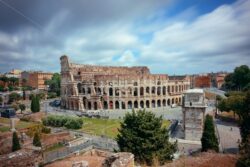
(173, 105)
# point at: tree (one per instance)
(5, 80)
(15, 142)
(24, 82)
(142, 134)
(209, 140)
(22, 107)
(13, 97)
(36, 140)
(24, 94)
(35, 104)
(54, 83)
(238, 80)
(244, 160)
(14, 81)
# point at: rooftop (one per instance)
(194, 91)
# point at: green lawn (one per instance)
(20, 125)
(96, 126)
(4, 128)
(107, 127)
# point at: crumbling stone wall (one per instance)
(21, 158)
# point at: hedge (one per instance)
(63, 121)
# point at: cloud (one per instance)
(124, 33)
(201, 45)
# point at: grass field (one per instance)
(5, 124)
(107, 127)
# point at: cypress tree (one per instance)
(36, 140)
(15, 142)
(209, 140)
(37, 104)
(32, 105)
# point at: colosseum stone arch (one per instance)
(89, 87)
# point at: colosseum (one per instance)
(89, 87)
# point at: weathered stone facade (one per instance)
(88, 87)
(193, 109)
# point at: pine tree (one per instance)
(142, 134)
(36, 140)
(15, 142)
(209, 140)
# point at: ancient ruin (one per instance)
(89, 87)
(193, 109)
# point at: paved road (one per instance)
(229, 134)
(167, 112)
(215, 91)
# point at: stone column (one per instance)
(80, 104)
(12, 124)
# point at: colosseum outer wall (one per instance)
(88, 87)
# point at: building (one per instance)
(193, 109)
(220, 79)
(202, 81)
(88, 87)
(15, 73)
(35, 79)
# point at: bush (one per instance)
(73, 124)
(60, 121)
(46, 130)
(51, 95)
(36, 140)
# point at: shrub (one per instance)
(73, 124)
(46, 130)
(60, 121)
(36, 140)
(51, 95)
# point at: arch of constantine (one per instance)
(88, 87)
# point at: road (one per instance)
(229, 134)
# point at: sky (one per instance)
(172, 37)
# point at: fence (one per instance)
(98, 143)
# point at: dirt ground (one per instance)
(206, 160)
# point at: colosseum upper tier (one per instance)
(88, 87)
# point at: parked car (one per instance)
(55, 103)
(8, 112)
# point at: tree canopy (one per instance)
(14, 97)
(142, 134)
(54, 83)
(240, 103)
(238, 80)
